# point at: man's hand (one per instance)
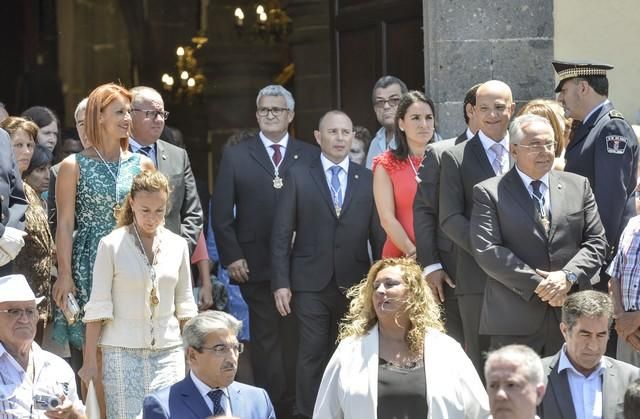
(435, 281)
(239, 271)
(205, 296)
(558, 300)
(627, 323)
(553, 285)
(12, 241)
(634, 340)
(283, 298)
(64, 411)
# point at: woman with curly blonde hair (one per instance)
(394, 359)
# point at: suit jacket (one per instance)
(183, 401)
(184, 215)
(349, 388)
(13, 202)
(245, 202)
(612, 176)
(510, 243)
(462, 167)
(326, 246)
(558, 404)
(432, 244)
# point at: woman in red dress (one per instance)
(395, 173)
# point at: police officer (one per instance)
(13, 206)
(602, 147)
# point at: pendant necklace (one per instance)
(153, 296)
(116, 206)
(542, 213)
(336, 202)
(415, 172)
(277, 180)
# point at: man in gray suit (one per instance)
(148, 116)
(536, 233)
(462, 167)
(434, 250)
(582, 382)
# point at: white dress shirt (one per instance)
(268, 143)
(586, 392)
(342, 176)
(469, 134)
(205, 389)
(487, 143)
(544, 188)
(135, 147)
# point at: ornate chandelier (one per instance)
(270, 21)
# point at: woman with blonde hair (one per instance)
(394, 359)
(140, 298)
(553, 112)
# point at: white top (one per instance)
(586, 392)
(122, 288)
(53, 376)
(268, 143)
(204, 389)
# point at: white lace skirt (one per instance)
(130, 374)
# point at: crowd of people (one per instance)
(493, 274)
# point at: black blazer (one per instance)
(325, 246)
(245, 202)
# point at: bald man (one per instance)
(462, 167)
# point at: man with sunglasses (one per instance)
(537, 234)
(148, 116)
(212, 349)
(34, 383)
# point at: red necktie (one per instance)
(277, 156)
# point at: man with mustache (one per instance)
(212, 349)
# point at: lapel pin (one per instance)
(164, 157)
(356, 176)
(295, 157)
(559, 186)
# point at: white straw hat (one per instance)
(16, 288)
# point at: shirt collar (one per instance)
(327, 164)
(527, 180)
(268, 143)
(204, 389)
(135, 146)
(565, 364)
(594, 110)
(488, 142)
(469, 134)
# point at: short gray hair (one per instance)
(520, 355)
(139, 91)
(516, 129)
(589, 303)
(277, 90)
(81, 108)
(196, 330)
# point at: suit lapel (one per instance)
(238, 407)
(161, 157)
(521, 195)
(556, 198)
(559, 385)
(610, 388)
(292, 154)
(192, 398)
(317, 173)
(481, 156)
(583, 129)
(260, 155)
(353, 178)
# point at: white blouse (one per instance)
(121, 292)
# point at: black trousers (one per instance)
(274, 344)
(319, 314)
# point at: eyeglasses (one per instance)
(153, 114)
(274, 111)
(537, 148)
(16, 313)
(392, 102)
(222, 349)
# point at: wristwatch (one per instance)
(571, 277)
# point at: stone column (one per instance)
(474, 41)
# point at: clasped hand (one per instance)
(553, 288)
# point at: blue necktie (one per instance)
(146, 150)
(335, 186)
(216, 398)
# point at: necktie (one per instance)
(146, 150)
(335, 186)
(539, 202)
(498, 163)
(216, 398)
(277, 156)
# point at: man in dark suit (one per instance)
(462, 167)
(209, 389)
(329, 205)
(536, 233)
(184, 216)
(581, 381)
(434, 250)
(603, 147)
(248, 186)
(13, 205)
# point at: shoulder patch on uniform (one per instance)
(616, 144)
(615, 114)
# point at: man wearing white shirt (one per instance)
(582, 382)
(329, 205)
(536, 233)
